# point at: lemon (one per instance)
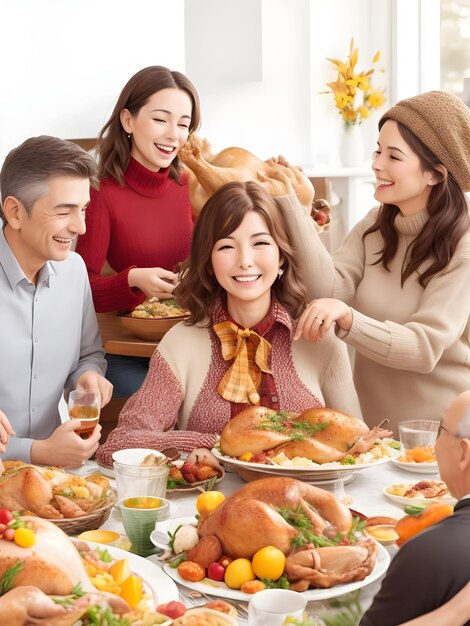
(269, 562)
(24, 537)
(208, 501)
(238, 572)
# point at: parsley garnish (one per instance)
(348, 460)
(281, 422)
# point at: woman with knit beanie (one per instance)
(140, 220)
(398, 287)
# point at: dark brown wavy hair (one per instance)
(448, 219)
(114, 146)
(222, 215)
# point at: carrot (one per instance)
(411, 525)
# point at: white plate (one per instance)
(159, 536)
(417, 468)
(221, 590)
(401, 500)
(162, 587)
(326, 471)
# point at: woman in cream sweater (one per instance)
(398, 287)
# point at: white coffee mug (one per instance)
(270, 607)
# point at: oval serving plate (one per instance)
(325, 471)
(220, 589)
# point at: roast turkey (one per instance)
(249, 519)
(52, 564)
(322, 435)
(210, 171)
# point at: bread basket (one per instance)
(93, 519)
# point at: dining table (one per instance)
(118, 340)
(363, 492)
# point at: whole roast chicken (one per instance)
(322, 435)
(261, 513)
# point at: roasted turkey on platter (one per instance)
(264, 513)
(322, 435)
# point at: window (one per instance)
(455, 47)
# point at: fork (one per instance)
(196, 598)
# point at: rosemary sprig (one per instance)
(6, 581)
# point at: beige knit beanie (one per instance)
(442, 122)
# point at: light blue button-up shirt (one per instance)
(48, 337)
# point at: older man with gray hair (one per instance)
(50, 341)
(433, 566)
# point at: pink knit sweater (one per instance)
(180, 390)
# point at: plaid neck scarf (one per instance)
(250, 354)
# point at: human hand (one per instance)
(318, 317)
(281, 180)
(93, 381)
(64, 447)
(155, 282)
(281, 159)
(26, 604)
(5, 431)
(203, 455)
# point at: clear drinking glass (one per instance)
(415, 433)
(84, 406)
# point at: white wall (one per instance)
(63, 64)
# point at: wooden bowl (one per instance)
(152, 328)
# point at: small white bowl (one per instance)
(134, 456)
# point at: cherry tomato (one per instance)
(9, 534)
(6, 516)
(216, 571)
(172, 609)
(189, 570)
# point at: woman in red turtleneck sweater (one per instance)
(140, 220)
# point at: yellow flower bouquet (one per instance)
(355, 98)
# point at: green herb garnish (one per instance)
(280, 583)
(172, 537)
(104, 555)
(396, 445)
(348, 460)
(298, 519)
(282, 422)
(6, 581)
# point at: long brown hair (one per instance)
(114, 146)
(222, 215)
(448, 219)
